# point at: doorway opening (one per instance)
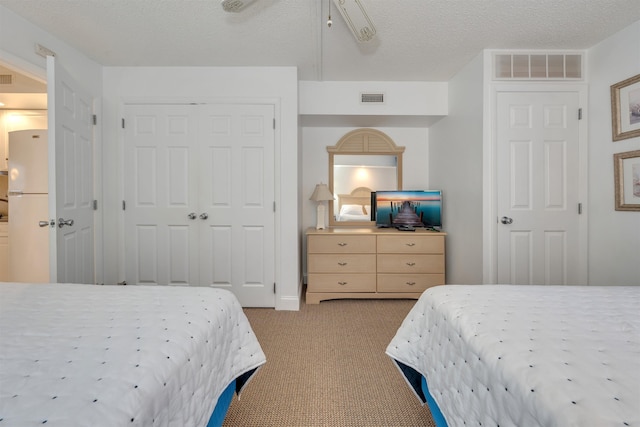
(23, 106)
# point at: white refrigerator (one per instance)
(28, 206)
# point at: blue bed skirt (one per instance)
(419, 385)
(438, 418)
(224, 401)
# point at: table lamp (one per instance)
(320, 195)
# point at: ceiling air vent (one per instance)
(369, 98)
(6, 79)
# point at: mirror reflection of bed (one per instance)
(353, 183)
(355, 206)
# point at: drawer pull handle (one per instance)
(342, 283)
(342, 264)
(342, 244)
(411, 264)
(411, 244)
(411, 283)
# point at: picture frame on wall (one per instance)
(625, 108)
(627, 180)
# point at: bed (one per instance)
(524, 355)
(88, 355)
(355, 206)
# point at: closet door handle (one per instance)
(204, 215)
(506, 220)
(62, 222)
(192, 215)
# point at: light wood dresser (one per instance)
(372, 263)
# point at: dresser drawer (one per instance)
(337, 244)
(341, 282)
(344, 263)
(408, 282)
(411, 243)
(409, 263)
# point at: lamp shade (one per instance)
(321, 193)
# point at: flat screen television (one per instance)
(421, 208)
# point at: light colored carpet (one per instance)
(326, 366)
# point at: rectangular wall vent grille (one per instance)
(372, 98)
(538, 66)
(6, 79)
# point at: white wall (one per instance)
(614, 236)
(400, 98)
(17, 40)
(276, 85)
(455, 153)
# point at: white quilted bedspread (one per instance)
(85, 355)
(501, 355)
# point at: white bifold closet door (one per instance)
(199, 198)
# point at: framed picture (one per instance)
(627, 180)
(625, 108)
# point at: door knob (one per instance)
(51, 223)
(506, 220)
(62, 222)
(192, 215)
(204, 215)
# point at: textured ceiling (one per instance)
(421, 40)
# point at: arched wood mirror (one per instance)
(364, 160)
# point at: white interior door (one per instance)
(199, 194)
(70, 134)
(237, 193)
(538, 183)
(160, 195)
